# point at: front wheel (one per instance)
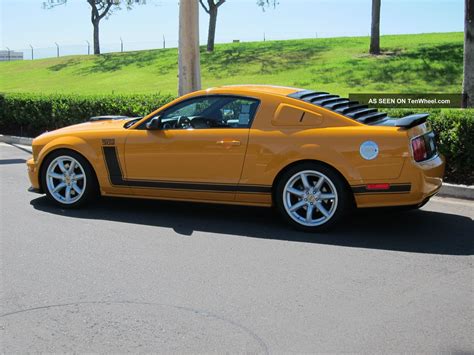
(311, 197)
(68, 179)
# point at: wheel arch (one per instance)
(42, 165)
(313, 161)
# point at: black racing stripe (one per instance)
(113, 166)
(399, 188)
(116, 178)
(358, 189)
(197, 186)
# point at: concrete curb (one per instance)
(464, 192)
(447, 190)
(15, 140)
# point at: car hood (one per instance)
(95, 126)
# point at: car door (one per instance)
(198, 152)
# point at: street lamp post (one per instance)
(88, 48)
(32, 52)
(57, 49)
(8, 53)
(189, 58)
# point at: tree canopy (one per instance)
(99, 10)
(267, 3)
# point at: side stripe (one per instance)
(116, 178)
(398, 188)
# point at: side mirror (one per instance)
(154, 124)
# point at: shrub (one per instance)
(454, 129)
(32, 114)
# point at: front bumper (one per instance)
(33, 175)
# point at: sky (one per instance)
(25, 22)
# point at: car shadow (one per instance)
(417, 231)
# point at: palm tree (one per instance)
(189, 71)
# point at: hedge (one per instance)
(29, 115)
(454, 130)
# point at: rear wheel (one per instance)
(68, 179)
(311, 197)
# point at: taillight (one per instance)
(420, 152)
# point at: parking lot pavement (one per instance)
(134, 275)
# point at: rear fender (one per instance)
(315, 152)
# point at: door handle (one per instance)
(233, 142)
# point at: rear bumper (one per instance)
(430, 177)
(33, 175)
(424, 180)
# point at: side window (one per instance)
(210, 112)
(189, 108)
(239, 112)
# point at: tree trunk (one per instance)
(96, 38)
(211, 38)
(188, 54)
(375, 29)
(468, 81)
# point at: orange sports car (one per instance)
(310, 154)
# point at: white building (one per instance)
(10, 55)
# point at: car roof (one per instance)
(263, 89)
(341, 106)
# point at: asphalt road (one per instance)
(134, 275)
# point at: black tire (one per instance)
(344, 198)
(90, 185)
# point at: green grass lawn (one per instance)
(410, 63)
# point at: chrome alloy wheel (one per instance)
(66, 180)
(310, 198)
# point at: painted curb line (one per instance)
(464, 192)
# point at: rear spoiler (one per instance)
(404, 122)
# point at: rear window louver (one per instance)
(351, 109)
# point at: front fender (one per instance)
(74, 143)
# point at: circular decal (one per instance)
(369, 150)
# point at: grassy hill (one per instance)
(410, 63)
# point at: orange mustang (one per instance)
(311, 154)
